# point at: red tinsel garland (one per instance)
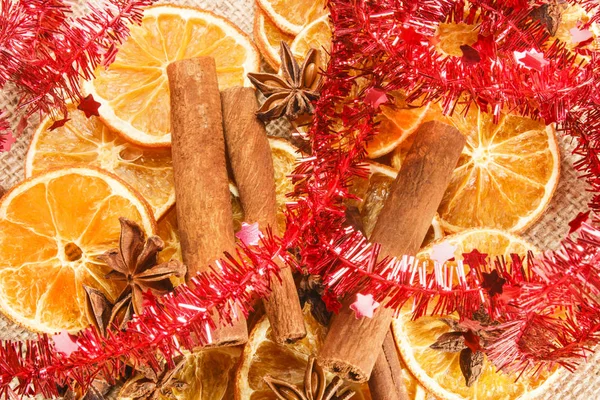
(548, 310)
(46, 51)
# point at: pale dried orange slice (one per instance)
(396, 124)
(88, 141)
(316, 35)
(207, 374)
(292, 15)
(268, 38)
(134, 90)
(440, 372)
(52, 228)
(287, 362)
(506, 175)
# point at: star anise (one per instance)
(291, 93)
(315, 386)
(148, 384)
(135, 263)
(467, 337)
(310, 290)
(98, 390)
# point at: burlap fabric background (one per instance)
(570, 198)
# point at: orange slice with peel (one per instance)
(52, 228)
(88, 141)
(268, 38)
(134, 90)
(439, 372)
(292, 15)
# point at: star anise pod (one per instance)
(310, 290)
(291, 93)
(135, 263)
(315, 386)
(148, 384)
(98, 390)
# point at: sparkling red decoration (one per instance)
(89, 106)
(529, 334)
(46, 50)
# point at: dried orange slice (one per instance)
(52, 228)
(292, 15)
(440, 372)
(316, 35)
(134, 91)
(506, 175)
(262, 356)
(396, 124)
(268, 38)
(88, 141)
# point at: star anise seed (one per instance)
(450, 342)
(135, 264)
(315, 386)
(148, 384)
(471, 365)
(292, 93)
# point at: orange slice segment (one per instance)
(52, 227)
(291, 15)
(88, 141)
(268, 38)
(439, 372)
(316, 35)
(134, 91)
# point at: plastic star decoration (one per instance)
(443, 252)
(249, 234)
(64, 343)
(89, 106)
(6, 141)
(531, 59)
(580, 35)
(58, 123)
(364, 306)
(375, 97)
(577, 221)
(493, 283)
(475, 259)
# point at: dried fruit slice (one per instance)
(292, 15)
(134, 91)
(440, 372)
(52, 228)
(268, 38)
(88, 141)
(316, 35)
(506, 175)
(263, 356)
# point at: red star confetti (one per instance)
(364, 306)
(531, 59)
(493, 283)
(472, 340)
(58, 124)
(375, 97)
(443, 252)
(580, 35)
(89, 106)
(475, 259)
(470, 55)
(578, 221)
(249, 234)
(6, 142)
(65, 343)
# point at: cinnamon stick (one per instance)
(252, 164)
(353, 345)
(386, 378)
(203, 205)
